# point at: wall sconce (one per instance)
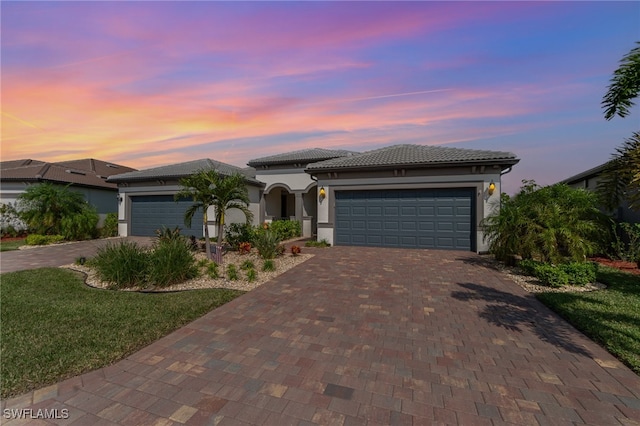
(322, 194)
(119, 197)
(492, 188)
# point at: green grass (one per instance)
(12, 245)
(55, 327)
(611, 316)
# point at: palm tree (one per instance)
(208, 188)
(620, 178)
(624, 87)
(43, 206)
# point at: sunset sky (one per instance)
(152, 83)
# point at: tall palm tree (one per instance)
(208, 188)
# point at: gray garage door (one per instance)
(411, 218)
(151, 212)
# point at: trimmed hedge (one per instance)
(575, 273)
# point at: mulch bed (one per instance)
(630, 267)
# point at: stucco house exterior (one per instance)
(589, 180)
(87, 176)
(291, 193)
(146, 199)
(411, 196)
(399, 196)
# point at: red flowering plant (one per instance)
(244, 248)
(295, 250)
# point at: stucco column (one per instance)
(299, 206)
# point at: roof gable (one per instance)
(414, 156)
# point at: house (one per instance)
(409, 196)
(290, 193)
(87, 176)
(398, 196)
(589, 180)
(146, 199)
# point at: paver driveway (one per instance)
(363, 336)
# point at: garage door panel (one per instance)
(151, 212)
(420, 218)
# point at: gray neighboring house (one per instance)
(290, 192)
(589, 180)
(87, 176)
(146, 199)
(412, 196)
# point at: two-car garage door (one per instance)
(411, 218)
(152, 212)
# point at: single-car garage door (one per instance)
(411, 218)
(151, 212)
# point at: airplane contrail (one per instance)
(19, 120)
(368, 98)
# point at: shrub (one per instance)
(286, 229)
(553, 223)
(202, 263)
(10, 223)
(626, 241)
(166, 234)
(580, 273)
(529, 266)
(42, 240)
(244, 248)
(268, 265)
(267, 244)
(251, 275)
(238, 233)
(321, 243)
(247, 264)
(232, 272)
(81, 225)
(551, 275)
(110, 226)
(123, 264)
(213, 271)
(295, 250)
(171, 261)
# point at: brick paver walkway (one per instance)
(362, 336)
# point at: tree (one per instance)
(624, 87)
(208, 188)
(53, 209)
(551, 224)
(620, 178)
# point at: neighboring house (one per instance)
(146, 199)
(87, 176)
(290, 193)
(411, 196)
(589, 180)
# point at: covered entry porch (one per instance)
(280, 202)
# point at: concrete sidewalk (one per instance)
(359, 336)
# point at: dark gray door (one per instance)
(411, 218)
(151, 212)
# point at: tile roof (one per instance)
(303, 156)
(86, 172)
(179, 170)
(414, 156)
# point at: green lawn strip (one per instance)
(54, 327)
(11, 245)
(611, 316)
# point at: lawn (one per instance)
(55, 327)
(11, 244)
(610, 317)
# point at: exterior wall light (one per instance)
(322, 193)
(492, 188)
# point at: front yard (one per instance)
(610, 317)
(55, 327)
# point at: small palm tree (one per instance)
(43, 206)
(208, 188)
(620, 178)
